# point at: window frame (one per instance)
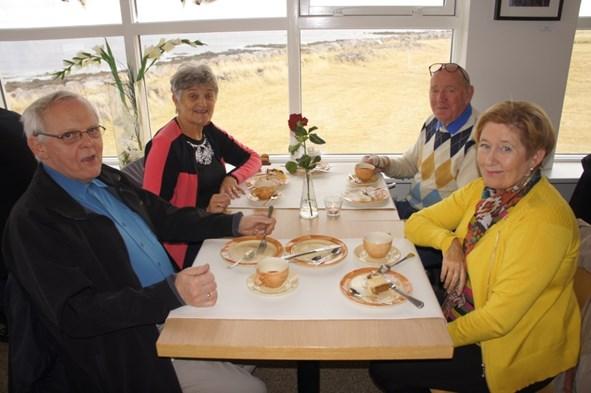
(131, 30)
(306, 9)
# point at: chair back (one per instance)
(580, 200)
(135, 170)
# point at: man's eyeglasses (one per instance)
(449, 67)
(71, 137)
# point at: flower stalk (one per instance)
(126, 87)
(297, 124)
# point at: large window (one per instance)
(49, 13)
(352, 72)
(576, 112)
(25, 74)
(252, 76)
(368, 89)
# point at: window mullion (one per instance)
(133, 54)
(294, 59)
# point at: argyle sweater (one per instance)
(439, 163)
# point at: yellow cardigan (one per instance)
(526, 317)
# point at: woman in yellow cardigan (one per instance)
(510, 245)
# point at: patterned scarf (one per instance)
(491, 208)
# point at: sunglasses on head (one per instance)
(449, 67)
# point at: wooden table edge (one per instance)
(181, 338)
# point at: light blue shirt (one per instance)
(458, 123)
(148, 258)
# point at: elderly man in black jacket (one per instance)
(83, 244)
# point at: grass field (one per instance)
(367, 95)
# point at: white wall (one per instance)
(521, 60)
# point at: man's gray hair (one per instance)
(191, 75)
(32, 117)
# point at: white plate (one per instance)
(321, 167)
(261, 202)
(277, 175)
(367, 196)
(357, 279)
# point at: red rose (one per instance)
(294, 118)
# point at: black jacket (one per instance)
(74, 268)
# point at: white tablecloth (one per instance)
(317, 296)
(335, 181)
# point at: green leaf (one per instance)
(312, 129)
(314, 138)
(293, 148)
(316, 159)
(300, 132)
(305, 161)
(291, 167)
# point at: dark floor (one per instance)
(280, 377)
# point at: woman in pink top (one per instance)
(185, 161)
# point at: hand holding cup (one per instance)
(364, 171)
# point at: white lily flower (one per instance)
(168, 46)
(153, 52)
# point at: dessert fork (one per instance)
(263, 244)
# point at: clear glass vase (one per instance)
(126, 131)
(308, 203)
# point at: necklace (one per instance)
(203, 151)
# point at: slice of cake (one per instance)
(376, 283)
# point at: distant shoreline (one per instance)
(37, 81)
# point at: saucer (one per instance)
(357, 279)
(363, 256)
(354, 180)
(289, 285)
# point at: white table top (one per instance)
(334, 181)
(317, 297)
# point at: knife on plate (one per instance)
(315, 250)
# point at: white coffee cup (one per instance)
(377, 244)
(272, 272)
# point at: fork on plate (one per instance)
(250, 254)
(263, 244)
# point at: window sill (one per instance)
(566, 168)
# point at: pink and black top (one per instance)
(187, 172)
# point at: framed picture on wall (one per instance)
(528, 9)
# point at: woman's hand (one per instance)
(218, 203)
(230, 186)
(453, 270)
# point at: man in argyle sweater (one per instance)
(443, 158)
